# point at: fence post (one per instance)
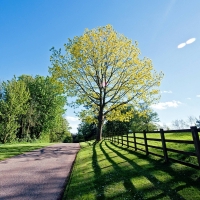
(127, 140)
(164, 145)
(135, 141)
(195, 136)
(145, 142)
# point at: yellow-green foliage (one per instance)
(102, 68)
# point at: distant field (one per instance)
(109, 171)
(10, 150)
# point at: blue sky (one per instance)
(28, 29)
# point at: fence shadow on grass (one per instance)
(186, 175)
(145, 173)
(126, 176)
(115, 172)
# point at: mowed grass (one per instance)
(107, 170)
(172, 145)
(10, 150)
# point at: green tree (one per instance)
(45, 106)
(102, 69)
(29, 118)
(61, 131)
(142, 119)
(87, 130)
(148, 118)
(117, 127)
(13, 98)
(31, 107)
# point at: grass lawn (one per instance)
(109, 171)
(176, 146)
(10, 150)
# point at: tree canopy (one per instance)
(13, 99)
(105, 73)
(32, 108)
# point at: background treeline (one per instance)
(142, 119)
(181, 124)
(32, 108)
(138, 122)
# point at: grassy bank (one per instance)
(10, 150)
(109, 171)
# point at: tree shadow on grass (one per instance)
(97, 171)
(39, 153)
(17, 150)
(126, 178)
(111, 166)
(186, 172)
(168, 187)
(145, 173)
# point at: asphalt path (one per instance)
(40, 174)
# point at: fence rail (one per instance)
(137, 142)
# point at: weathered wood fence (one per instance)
(134, 141)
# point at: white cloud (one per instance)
(72, 119)
(189, 98)
(190, 41)
(165, 105)
(74, 128)
(181, 45)
(198, 95)
(166, 91)
(73, 122)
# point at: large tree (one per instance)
(104, 71)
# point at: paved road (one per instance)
(39, 174)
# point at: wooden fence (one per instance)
(141, 141)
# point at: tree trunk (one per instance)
(5, 139)
(99, 127)
(99, 132)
